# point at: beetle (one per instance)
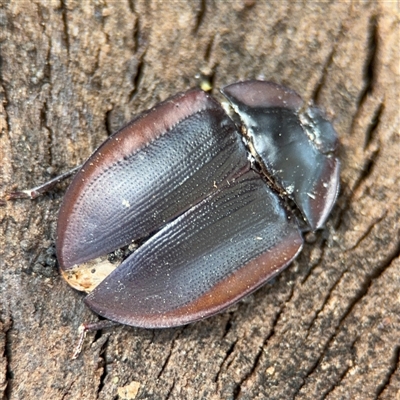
(216, 196)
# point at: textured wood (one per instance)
(72, 72)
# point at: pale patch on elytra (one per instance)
(126, 203)
(85, 277)
(311, 195)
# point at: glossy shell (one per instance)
(214, 225)
(296, 146)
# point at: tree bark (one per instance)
(72, 72)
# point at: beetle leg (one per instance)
(37, 191)
(93, 327)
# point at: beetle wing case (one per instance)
(222, 249)
(151, 171)
(178, 178)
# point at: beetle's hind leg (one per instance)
(37, 191)
(93, 327)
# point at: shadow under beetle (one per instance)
(216, 196)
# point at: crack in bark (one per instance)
(96, 65)
(317, 363)
(64, 15)
(321, 82)
(328, 62)
(369, 67)
(370, 62)
(365, 172)
(333, 385)
(166, 360)
(228, 325)
(97, 57)
(103, 339)
(173, 342)
(137, 77)
(395, 364)
(5, 101)
(238, 387)
(346, 370)
(324, 303)
(150, 342)
(370, 130)
(47, 75)
(315, 264)
(108, 122)
(66, 392)
(230, 350)
(44, 124)
(230, 361)
(209, 74)
(256, 362)
(200, 16)
(8, 354)
(373, 126)
(369, 79)
(131, 5)
(367, 231)
(140, 39)
(170, 390)
(209, 48)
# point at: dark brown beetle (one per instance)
(208, 195)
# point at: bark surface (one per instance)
(72, 72)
